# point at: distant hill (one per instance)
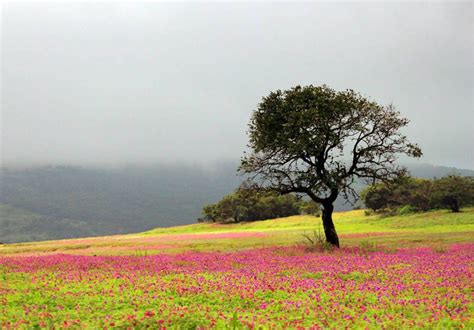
(18, 225)
(429, 171)
(106, 201)
(62, 202)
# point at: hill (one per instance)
(106, 201)
(63, 202)
(433, 228)
(21, 225)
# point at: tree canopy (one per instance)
(316, 141)
(406, 191)
(451, 191)
(249, 204)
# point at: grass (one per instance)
(394, 272)
(433, 228)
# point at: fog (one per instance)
(138, 83)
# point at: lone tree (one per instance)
(316, 141)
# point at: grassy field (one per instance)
(411, 271)
(419, 229)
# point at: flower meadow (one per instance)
(272, 287)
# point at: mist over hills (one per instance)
(65, 201)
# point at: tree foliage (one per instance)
(451, 191)
(316, 141)
(406, 190)
(454, 192)
(250, 204)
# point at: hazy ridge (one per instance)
(64, 201)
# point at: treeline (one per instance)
(406, 195)
(250, 204)
(410, 194)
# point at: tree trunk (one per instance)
(455, 205)
(328, 224)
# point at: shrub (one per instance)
(316, 242)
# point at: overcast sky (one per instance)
(145, 82)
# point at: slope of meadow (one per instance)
(394, 272)
(419, 229)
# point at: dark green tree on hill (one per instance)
(316, 141)
(453, 191)
(249, 204)
(406, 191)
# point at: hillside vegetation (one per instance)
(22, 225)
